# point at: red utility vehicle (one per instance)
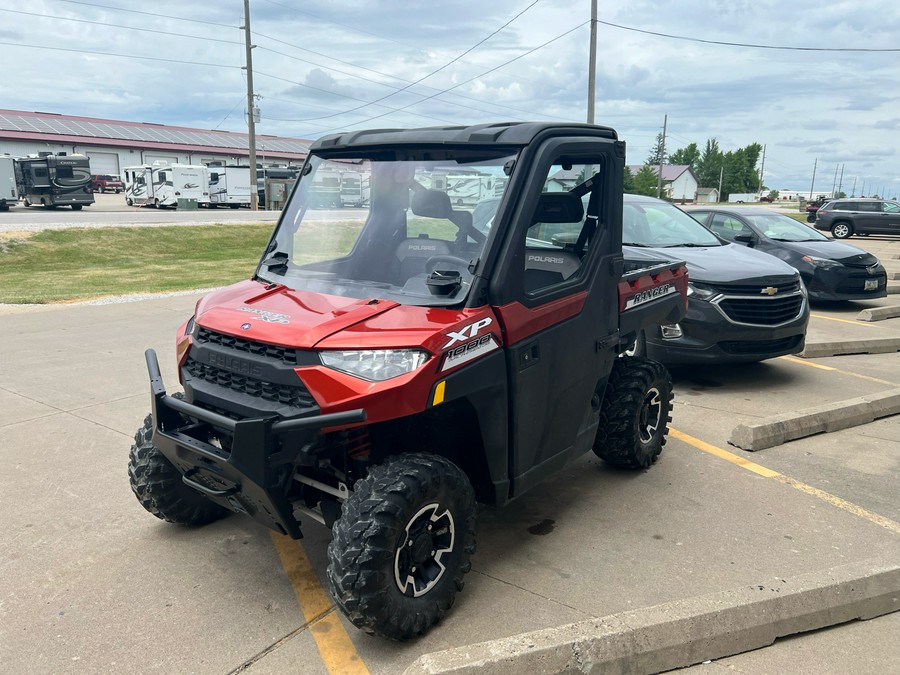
(387, 367)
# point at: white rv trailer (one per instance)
(9, 193)
(161, 184)
(229, 185)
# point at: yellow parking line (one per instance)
(335, 646)
(850, 507)
(869, 324)
(802, 362)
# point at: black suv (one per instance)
(846, 217)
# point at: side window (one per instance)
(890, 207)
(562, 228)
(727, 227)
(868, 207)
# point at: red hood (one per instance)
(306, 320)
(279, 315)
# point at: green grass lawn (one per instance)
(79, 263)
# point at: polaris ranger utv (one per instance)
(386, 368)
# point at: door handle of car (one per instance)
(529, 355)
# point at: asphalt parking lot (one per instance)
(91, 583)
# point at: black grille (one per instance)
(293, 395)
(757, 288)
(738, 347)
(762, 311)
(284, 354)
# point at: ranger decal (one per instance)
(650, 294)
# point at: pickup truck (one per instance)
(387, 368)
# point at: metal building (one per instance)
(114, 144)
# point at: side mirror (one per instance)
(747, 239)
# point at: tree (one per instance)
(657, 155)
(710, 164)
(689, 155)
(628, 180)
(645, 181)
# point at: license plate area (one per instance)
(870, 285)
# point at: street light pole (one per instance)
(251, 120)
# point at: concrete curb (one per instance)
(893, 275)
(685, 632)
(879, 313)
(893, 289)
(814, 350)
(779, 429)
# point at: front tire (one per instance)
(401, 547)
(159, 488)
(636, 410)
(841, 230)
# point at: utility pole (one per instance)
(834, 183)
(854, 186)
(251, 119)
(762, 169)
(721, 173)
(813, 184)
(841, 180)
(592, 67)
(662, 157)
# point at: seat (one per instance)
(412, 256)
(547, 266)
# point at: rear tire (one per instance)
(159, 488)
(76, 207)
(636, 410)
(401, 547)
(841, 230)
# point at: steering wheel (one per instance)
(435, 261)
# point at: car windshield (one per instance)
(659, 224)
(406, 233)
(783, 228)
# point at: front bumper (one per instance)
(847, 283)
(707, 336)
(254, 475)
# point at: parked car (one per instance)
(846, 217)
(831, 270)
(744, 305)
(103, 182)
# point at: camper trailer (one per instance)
(9, 193)
(229, 185)
(55, 180)
(351, 189)
(162, 185)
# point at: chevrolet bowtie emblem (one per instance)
(769, 290)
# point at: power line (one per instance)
(434, 72)
(487, 72)
(114, 25)
(745, 44)
(121, 56)
(155, 15)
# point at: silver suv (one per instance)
(846, 217)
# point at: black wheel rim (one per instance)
(419, 561)
(651, 415)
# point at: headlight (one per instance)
(702, 292)
(822, 263)
(375, 365)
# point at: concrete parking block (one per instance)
(685, 632)
(893, 289)
(879, 313)
(779, 429)
(814, 350)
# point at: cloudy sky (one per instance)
(323, 66)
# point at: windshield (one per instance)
(659, 224)
(783, 228)
(394, 225)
